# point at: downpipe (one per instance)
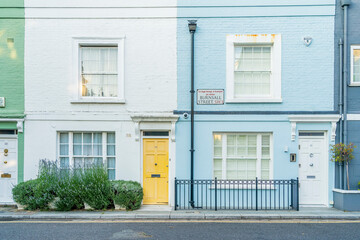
(192, 29)
(341, 105)
(345, 4)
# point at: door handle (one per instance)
(155, 164)
(311, 164)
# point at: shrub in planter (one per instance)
(96, 187)
(128, 194)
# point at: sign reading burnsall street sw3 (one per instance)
(210, 96)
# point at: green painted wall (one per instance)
(12, 34)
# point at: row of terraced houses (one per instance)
(185, 89)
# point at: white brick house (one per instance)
(98, 83)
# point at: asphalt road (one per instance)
(179, 230)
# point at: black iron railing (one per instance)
(255, 194)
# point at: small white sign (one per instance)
(2, 102)
(210, 96)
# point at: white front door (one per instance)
(8, 169)
(312, 170)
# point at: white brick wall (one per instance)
(150, 76)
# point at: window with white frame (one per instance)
(355, 65)
(79, 150)
(242, 156)
(100, 69)
(253, 68)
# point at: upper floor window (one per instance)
(253, 68)
(100, 70)
(355, 65)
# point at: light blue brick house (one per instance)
(272, 64)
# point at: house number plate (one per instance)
(5, 175)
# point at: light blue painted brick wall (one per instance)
(307, 72)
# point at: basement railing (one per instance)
(255, 194)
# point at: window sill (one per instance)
(255, 100)
(353, 84)
(98, 101)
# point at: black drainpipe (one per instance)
(192, 29)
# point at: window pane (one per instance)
(87, 137)
(77, 138)
(98, 138)
(111, 150)
(98, 161)
(111, 174)
(88, 162)
(110, 137)
(64, 149)
(97, 150)
(64, 162)
(78, 163)
(77, 150)
(356, 65)
(111, 162)
(87, 150)
(64, 138)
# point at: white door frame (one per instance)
(324, 164)
(13, 137)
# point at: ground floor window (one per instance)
(81, 149)
(242, 155)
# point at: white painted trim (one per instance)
(273, 40)
(352, 83)
(333, 119)
(118, 41)
(346, 191)
(254, 100)
(353, 117)
(138, 118)
(19, 123)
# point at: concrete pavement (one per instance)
(164, 213)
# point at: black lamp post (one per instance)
(192, 29)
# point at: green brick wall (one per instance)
(12, 34)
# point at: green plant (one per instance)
(343, 153)
(97, 191)
(128, 194)
(38, 193)
(69, 192)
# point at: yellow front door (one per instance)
(156, 170)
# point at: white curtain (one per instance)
(99, 70)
